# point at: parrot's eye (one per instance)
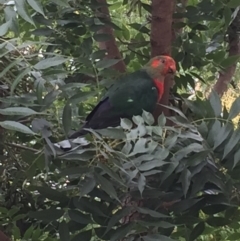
(163, 61)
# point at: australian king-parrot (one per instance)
(130, 95)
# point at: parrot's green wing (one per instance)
(128, 96)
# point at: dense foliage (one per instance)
(141, 180)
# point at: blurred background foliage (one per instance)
(55, 63)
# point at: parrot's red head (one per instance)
(158, 67)
(163, 64)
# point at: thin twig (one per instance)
(21, 147)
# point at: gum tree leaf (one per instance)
(15, 126)
(22, 11)
(67, 118)
(215, 102)
(48, 215)
(18, 79)
(197, 231)
(50, 62)
(235, 109)
(141, 183)
(106, 186)
(64, 231)
(36, 6)
(18, 111)
(106, 63)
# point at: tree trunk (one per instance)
(110, 46)
(3, 237)
(225, 76)
(161, 39)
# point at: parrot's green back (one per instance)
(128, 96)
(133, 93)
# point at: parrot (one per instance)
(130, 95)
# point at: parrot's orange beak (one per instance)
(171, 65)
(172, 69)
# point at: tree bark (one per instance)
(3, 237)
(161, 39)
(225, 76)
(110, 46)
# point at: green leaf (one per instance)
(234, 236)
(50, 62)
(48, 215)
(137, 119)
(122, 232)
(90, 206)
(106, 186)
(21, 9)
(126, 124)
(161, 224)
(146, 166)
(62, 3)
(67, 118)
(218, 221)
(161, 120)
(64, 231)
(157, 237)
(140, 28)
(15, 126)
(233, 3)
(4, 28)
(177, 111)
(106, 63)
(86, 236)
(28, 233)
(111, 173)
(79, 217)
(236, 158)
(194, 147)
(87, 187)
(12, 64)
(235, 109)
(227, 13)
(230, 61)
(117, 216)
(141, 183)
(18, 111)
(51, 194)
(49, 98)
(232, 142)
(213, 209)
(100, 54)
(42, 32)
(148, 117)
(215, 102)
(18, 79)
(36, 6)
(197, 231)
(140, 146)
(113, 133)
(222, 134)
(152, 213)
(185, 179)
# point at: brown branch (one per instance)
(225, 76)
(161, 39)
(3, 237)
(110, 46)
